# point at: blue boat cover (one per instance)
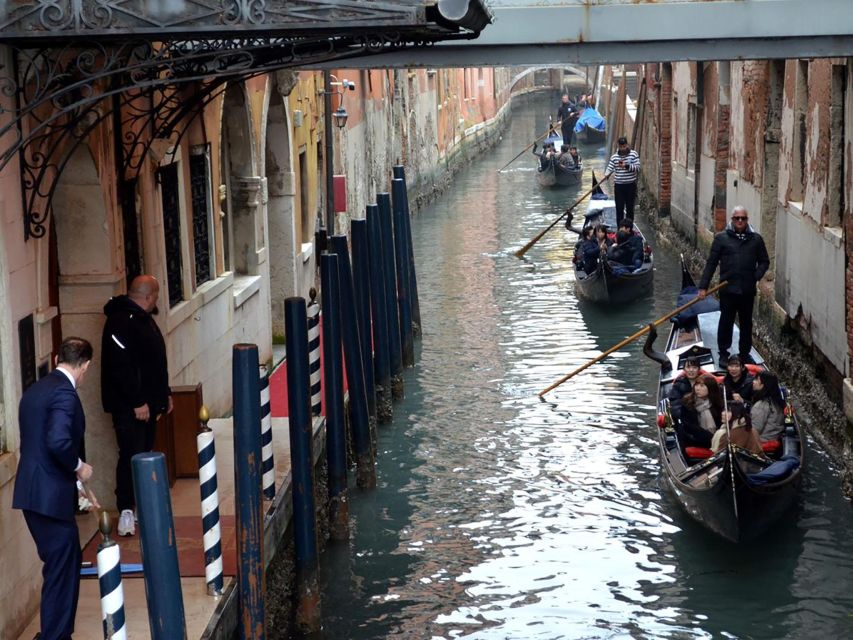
(777, 471)
(590, 117)
(687, 294)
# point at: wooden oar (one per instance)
(520, 253)
(521, 153)
(629, 339)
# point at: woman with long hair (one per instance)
(768, 406)
(701, 413)
(739, 430)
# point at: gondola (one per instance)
(554, 174)
(610, 282)
(734, 493)
(591, 127)
(591, 135)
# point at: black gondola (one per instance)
(610, 282)
(591, 135)
(722, 490)
(556, 174)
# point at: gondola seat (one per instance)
(698, 453)
(771, 446)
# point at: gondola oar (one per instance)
(521, 153)
(520, 253)
(630, 339)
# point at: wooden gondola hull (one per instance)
(605, 286)
(557, 176)
(758, 508)
(591, 134)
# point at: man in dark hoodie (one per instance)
(742, 257)
(134, 382)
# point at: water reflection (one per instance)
(498, 515)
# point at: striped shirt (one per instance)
(628, 173)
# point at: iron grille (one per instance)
(200, 190)
(168, 179)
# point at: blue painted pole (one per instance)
(247, 489)
(381, 347)
(390, 273)
(302, 467)
(399, 171)
(359, 419)
(158, 546)
(333, 385)
(401, 255)
(361, 287)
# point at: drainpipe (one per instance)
(329, 159)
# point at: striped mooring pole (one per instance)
(208, 485)
(313, 312)
(267, 462)
(109, 583)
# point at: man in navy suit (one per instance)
(52, 425)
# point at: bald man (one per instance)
(134, 382)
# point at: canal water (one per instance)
(498, 515)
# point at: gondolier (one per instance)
(743, 261)
(567, 115)
(625, 167)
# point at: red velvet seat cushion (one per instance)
(771, 446)
(698, 452)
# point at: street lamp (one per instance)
(332, 86)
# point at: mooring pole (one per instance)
(302, 467)
(208, 487)
(399, 171)
(401, 254)
(159, 547)
(359, 419)
(333, 385)
(390, 272)
(361, 287)
(251, 577)
(378, 309)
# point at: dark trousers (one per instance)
(58, 545)
(625, 196)
(568, 132)
(133, 436)
(731, 305)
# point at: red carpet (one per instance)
(278, 385)
(190, 547)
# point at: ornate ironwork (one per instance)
(130, 227)
(200, 196)
(168, 178)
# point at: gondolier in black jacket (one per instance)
(134, 382)
(568, 116)
(743, 261)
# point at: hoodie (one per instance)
(134, 370)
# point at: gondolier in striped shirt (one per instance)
(625, 167)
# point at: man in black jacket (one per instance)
(743, 261)
(134, 382)
(567, 115)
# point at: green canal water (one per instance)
(500, 516)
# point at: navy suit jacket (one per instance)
(52, 427)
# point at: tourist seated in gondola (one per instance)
(575, 156)
(564, 159)
(634, 242)
(682, 385)
(737, 382)
(545, 156)
(768, 406)
(602, 237)
(587, 251)
(740, 430)
(622, 254)
(701, 413)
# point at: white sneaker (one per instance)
(126, 525)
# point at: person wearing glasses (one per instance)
(742, 257)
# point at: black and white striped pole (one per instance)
(211, 533)
(267, 462)
(313, 312)
(109, 583)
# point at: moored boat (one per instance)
(608, 281)
(733, 492)
(591, 126)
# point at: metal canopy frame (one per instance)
(79, 63)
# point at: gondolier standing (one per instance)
(743, 261)
(568, 116)
(625, 167)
